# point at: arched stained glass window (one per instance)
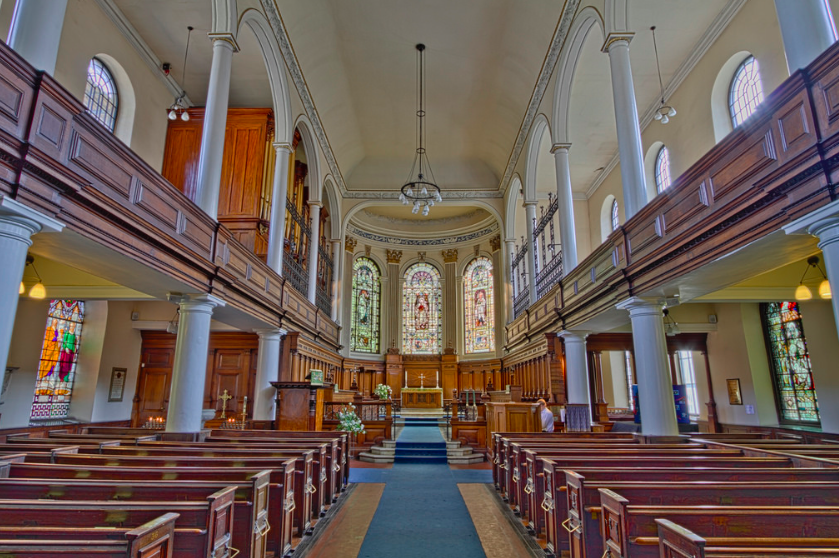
(422, 316)
(662, 170)
(479, 308)
(792, 374)
(57, 368)
(615, 218)
(100, 95)
(366, 297)
(746, 91)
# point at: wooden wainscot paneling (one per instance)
(368, 374)
(532, 369)
(300, 354)
(478, 374)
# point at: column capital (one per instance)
(281, 146)
(560, 146)
(575, 336)
(495, 243)
(823, 223)
(393, 256)
(224, 38)
(637, 306)
(528, 204)
(350, 244)
(200, 302)
(269, 333)
(315, 203)
(26, 216)
(614, 38)
(450, 255)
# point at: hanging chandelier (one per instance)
(664, 112)
(420, 189)
(179, 107)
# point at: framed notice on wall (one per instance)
(117, 389)
(734, 396)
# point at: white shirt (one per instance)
(547, 420)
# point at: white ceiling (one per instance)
(483, 59)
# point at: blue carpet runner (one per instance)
(421, 513)
(420, 444)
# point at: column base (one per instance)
(577, 418)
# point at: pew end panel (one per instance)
(675, 541)
(154, 539)
(612, 523)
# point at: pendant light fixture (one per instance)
(179, 106)
(38, 291)
(420, 189)
(665, 112)
(802, 292)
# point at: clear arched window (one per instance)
(479, 309)
(792, 373)
(746, 91)
(100, 96)
(57, 368)
(615, 218)
(366, 302)
(422, 316)
(662, 170)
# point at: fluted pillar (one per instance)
(450, 294)
(279, 195)
(267, 371)
(346, 300)
(509, 288)
(565, 207)
(17, 225)
(530, 216)
(806, 29)
(36, 31)
(393, 299)
(498, 288)
(314, 247)
(626, 121)
(215, 121)
(189, 367)
(337, 280)
(655, 386)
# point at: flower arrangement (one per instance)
(350, 422)
(383, 391)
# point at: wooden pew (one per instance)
(674, 541)
(585, 498)
(211, 520)
(250, 517)
(89, 443)
(283, 516)
(152, 539)
(631, 530)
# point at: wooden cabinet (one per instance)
(512, 417)
(247, 169)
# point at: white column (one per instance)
(267, 371)
(189, 367)
(510, 287)
(626, 120)
(314, 246)
(565, 207)
(215, 120)
(36, 31)
(279, 194)
(576, 368)
(655, 385)
(806, 28)
(337, 280)
(17, 224)
(346, 298)
(530, 217)
(498, 297)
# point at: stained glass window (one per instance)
(100, 95)
(790, 362)
(689, 380)
(746, 91)
(479, 308)
(366, 297)
(662, 170)
(615, 217)
(57, 368)
(422, 316)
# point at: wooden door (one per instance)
(231, 372)
(155, 380)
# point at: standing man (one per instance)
(547, 416)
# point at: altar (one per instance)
(422, 398)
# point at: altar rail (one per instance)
(366, 410)
(375, 415)
(781, 164)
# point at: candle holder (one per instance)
(155, 423)
(240, 422)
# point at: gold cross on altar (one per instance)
(224, 398)
(422, 381)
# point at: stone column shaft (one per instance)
(36, 31)
(279, 195)
(509, 287)
(314, 248)
(267, 371)
(337, 280)
(565, 207)
(498, 284)
(530, 213)
(806, 29)
(450, 299)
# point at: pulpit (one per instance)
(422, 398)
(299, 405)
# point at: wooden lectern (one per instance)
(299, 405)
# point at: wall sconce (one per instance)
(802, 292)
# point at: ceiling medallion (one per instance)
(421, 191)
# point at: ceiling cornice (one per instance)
(143, 49)
(548, 65)
(707, 39)
(293, 65)
(446, 194)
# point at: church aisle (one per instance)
(425, 510)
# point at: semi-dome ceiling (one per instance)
(445, 225)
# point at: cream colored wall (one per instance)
(25, 354)
(89, 359)
(7, 9)
(88, 32)
(820, 332)
(121, 349)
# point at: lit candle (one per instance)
(437, 372)
(406, 378)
